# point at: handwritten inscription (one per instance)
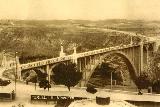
(54, 98)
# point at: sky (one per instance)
(80, 9)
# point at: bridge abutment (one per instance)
(141, 57)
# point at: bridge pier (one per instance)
(146, 55)
(133, 60)
(80, 65)
(141, 57)
(147, 48)
(48, 70)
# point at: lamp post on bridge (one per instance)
(75, 54)
(62, 50)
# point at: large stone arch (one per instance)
(131, 68)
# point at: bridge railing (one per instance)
(45, 62)
(104, 50)
(70, 57)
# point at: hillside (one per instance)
(35, 40)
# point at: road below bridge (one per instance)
(24, 92)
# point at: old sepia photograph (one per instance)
(79, 53)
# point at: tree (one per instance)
(143, 81)
(66, 74)
(44, 84)
(34, 80)
(156, 86)
(31, 76)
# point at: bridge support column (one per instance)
(48, 73)
(147, 54)
(90, 61)
(82, 66)
(94, 60)
(133, 55)
(141, 56)
(85, 61)
(82, 83)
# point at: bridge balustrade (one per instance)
(45, 62)
(101, 51)
(111, 48)
(117, 47)
(106, 49)
(70, 57)
(130, 45)
(96, 51)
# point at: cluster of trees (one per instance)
(151, 76)
(144, 81)
(36, 76)
(64, 74)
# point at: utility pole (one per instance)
(111, 79)
(15, 75)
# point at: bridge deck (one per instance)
(84, 54)
(70, 57)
